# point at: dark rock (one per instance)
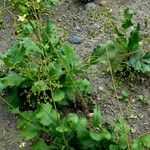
(74, 39)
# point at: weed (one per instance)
(124, 51)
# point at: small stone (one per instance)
(90, 6)
(74, 39)
(59, 20)
(133, 100)
(90, 114)
(98, 98)
(102, 2)
(64, 16)
(133, 116)
(78, 28)
(101, 88)
(141, 115)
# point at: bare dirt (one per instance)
(94, 27)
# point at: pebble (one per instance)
(133, 116)
(74, 39)
(101, 88)
(102, 2)
(90, 6)
(133, 100)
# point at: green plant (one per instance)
(32, 6)
(124, 95)
(43, 69)
(124, 51)
(73, 132)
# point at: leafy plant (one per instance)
(32, 6)
(141, 142)
(68, 132)
(44, 70)
(123, 51)
(74, 132)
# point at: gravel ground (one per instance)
(93, 27)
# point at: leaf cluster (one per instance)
(46, 68)
(32, 6)
(124, 50)
(72, 132)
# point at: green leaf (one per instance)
(14, 55)
(70, 54)
(125, 94)
(113, 147)
(30, 131)
(40, 145)
(142, 142)
(69, 93)
(99, 53)
(97, 117)
(39, 86)
(47, 115)
(62, 128)
(72, 119)
(12, 79)
(30, 45)
(121, 44)
(69, 122)
(127, 18)
(123, 142)
(54, 70)
(13, 97)
(2, 86)
(104, 51)
(137, 145)
(58, 95)
(49, 33)
(84, 86)
(28, 125)
(134, 39)
(121, 126)
(120, 132)
(101, 135)
(81, 128)
(141, 61)
(27, 28)
(145, 139)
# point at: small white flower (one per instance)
(38, 1)
(22, 144)
(22, 18)
(132, 28)
(110, 10)
(140, 43)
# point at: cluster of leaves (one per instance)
(72, 132)
(43, 70)
(26, 6)
(124, 51)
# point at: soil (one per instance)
(94, 27)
